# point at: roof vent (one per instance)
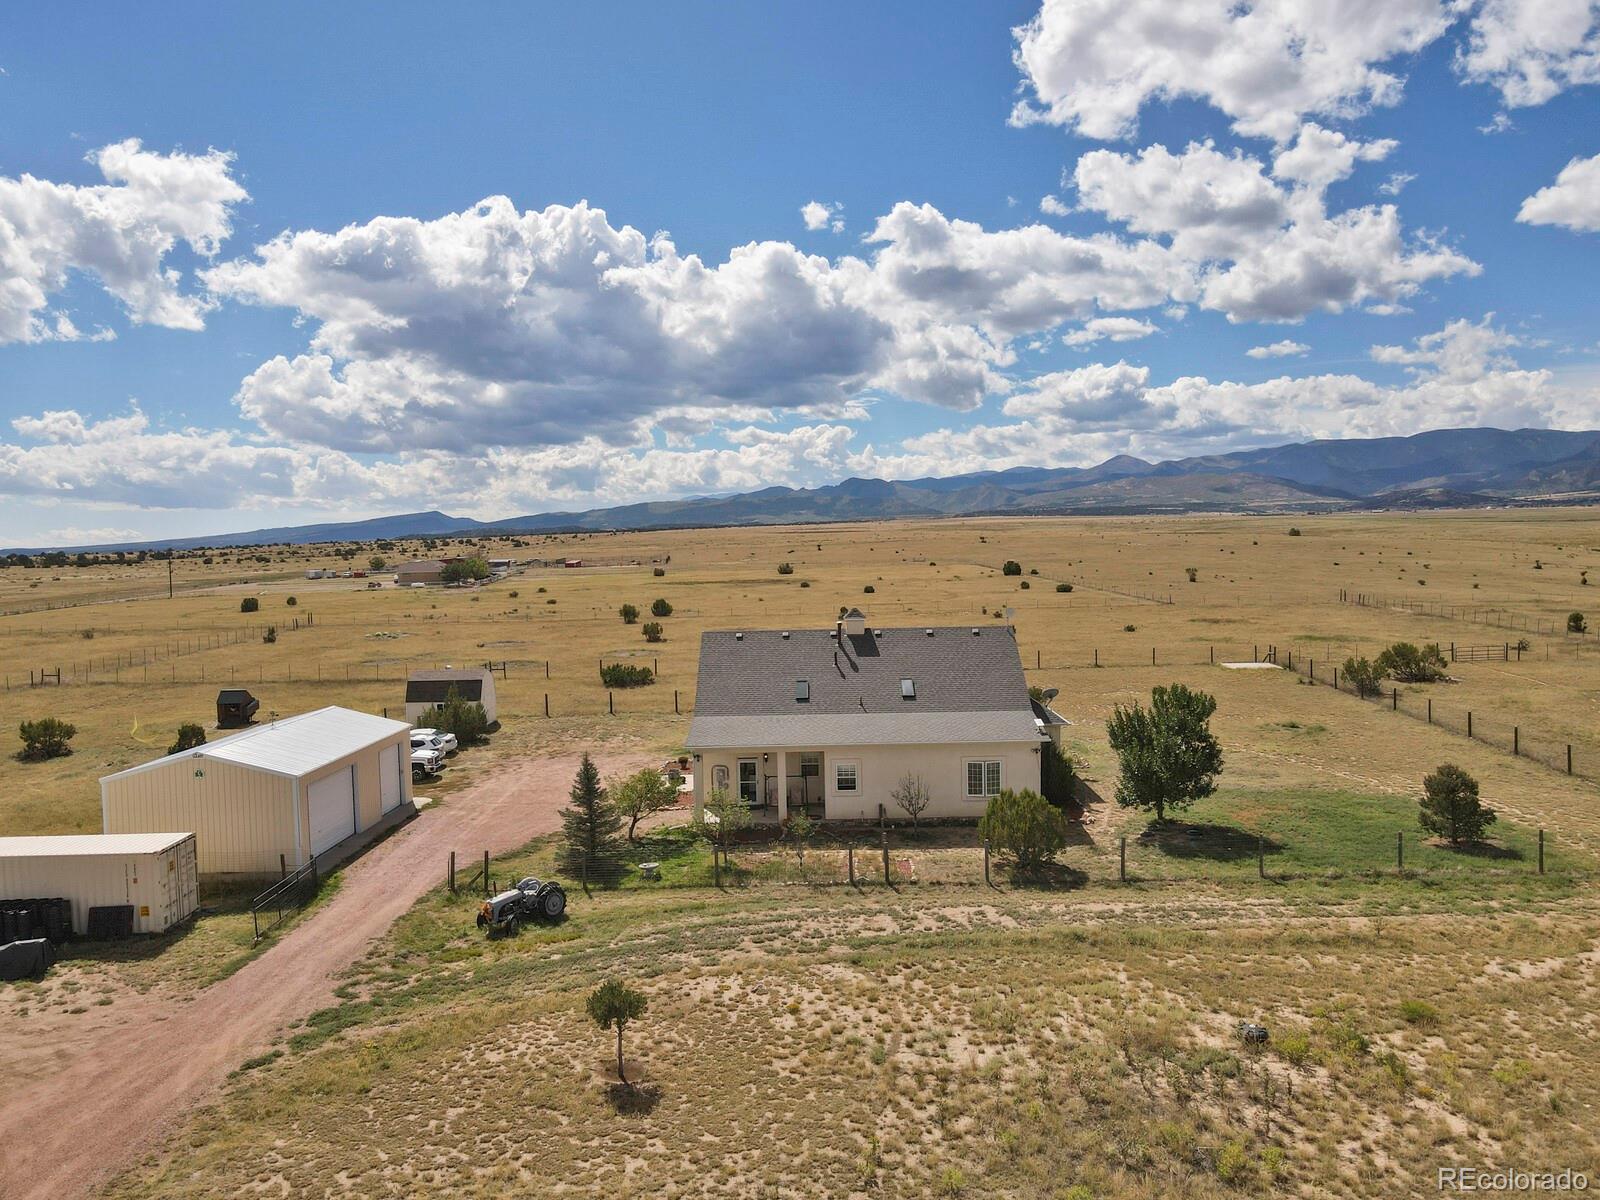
(739, 637)
(786, 635)
(877, 633)
(929, 632)
(974, 631)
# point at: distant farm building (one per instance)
(271, 795)
(573, 562)
(427, 690)
(236, 708)
(427, 570)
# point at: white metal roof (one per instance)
(76, 845)
(292, 746)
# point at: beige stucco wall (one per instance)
(242, 818)
(942, 769)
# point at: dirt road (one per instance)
(116, 1090)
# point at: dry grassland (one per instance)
(809, 1039)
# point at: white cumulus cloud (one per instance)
(1112, 329)
(1283, 349)
(819, 216)
(120, 232)
(1532, 50)
(1092, 65)
(1572, 201)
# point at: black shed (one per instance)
(235, 708)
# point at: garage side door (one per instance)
(389, 786)
(333, 809)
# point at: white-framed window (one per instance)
(749, 785)
(983, 778)
(847, 776)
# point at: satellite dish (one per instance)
(1050, 694)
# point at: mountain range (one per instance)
(1442, 468)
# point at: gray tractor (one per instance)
(528, 900)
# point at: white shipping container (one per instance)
(154, 872)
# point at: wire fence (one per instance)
(1476, 614)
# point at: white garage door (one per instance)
(333, 809)
(389, 786)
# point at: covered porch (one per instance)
(772, 784)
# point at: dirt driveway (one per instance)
(117, 1086)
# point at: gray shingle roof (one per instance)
(969, 687)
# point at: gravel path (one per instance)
(116, 1085)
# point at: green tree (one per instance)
(467, 719)
(190, 735)
(725, 815)
(629, 613)
(1451, 808)
(376, 563)
(611, 1006)
(1055, 775)
(660, 608)
(1024, 825)
(640, 794)
(1576, 622)
(1412, 664)
(1012, 567)
(653, 632)
(591, 847)
(464, 569)
(1363, 675)
(46, 738)
(249, 604)
(799, 832)
(1168, 754)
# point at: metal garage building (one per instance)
(153, 873)
(273, 795)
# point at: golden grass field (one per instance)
(942, 1038)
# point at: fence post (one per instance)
(716, 868)
(1313, 665)
(1336, 679)
(1399, 850)
(1394, 703)
(611, 703)
(547, 704)
(985, 860)
(1097, 658)
(1213, 651)
(1122, 860)
(1430, 710)
(1261, 856)
(1569, 758)
(450, 874)
(885, 836)
(1469, 722)
(675, 701)
(850, 855)
(485, 874)
(1541, 852)
(1516, 740)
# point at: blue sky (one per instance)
(246, 278)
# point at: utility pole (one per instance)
(169, 574)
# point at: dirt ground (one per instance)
(120, 1081)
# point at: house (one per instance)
(427, 570)
(832, 720)
(272, 795)
(427, 690)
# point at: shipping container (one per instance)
(156, 874)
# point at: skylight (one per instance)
(802, 691)
(908, 689)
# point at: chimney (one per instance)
(855, 622)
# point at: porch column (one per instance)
(783, 785)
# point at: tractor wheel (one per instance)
(512, 926)
(482, 920)
(553, 903)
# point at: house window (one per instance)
(847, 777)
(908, 689)
(802, 690)
(983, 778)
(749, 789)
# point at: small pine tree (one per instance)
(1576, 622)
(591, 828)
(629, 613)
(48, 737)
(1451, 808)
(249, 605)
(660, 608)
(1011, 567)
(1024, 825)
(467, 719)
(653, 632)
(190, 735)
(1363, 675)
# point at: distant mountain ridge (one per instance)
(1440, 468)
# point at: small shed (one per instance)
(236, 708)
(154, 874)
(272, 795)
(428, 690)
